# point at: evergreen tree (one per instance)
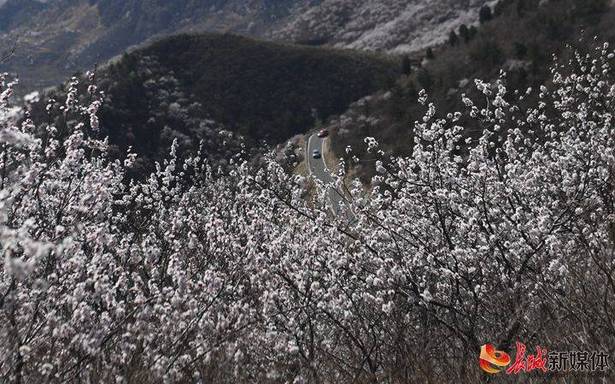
(406, 65)
(485, 15)
(453, 40)
(464, 32)
(429, 54)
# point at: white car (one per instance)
(316, 154)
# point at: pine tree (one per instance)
(464, 32)
(406, 65)
(453, 40)
(429, 54)
(485, 15)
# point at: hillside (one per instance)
(58, 37)
(55, 38)
(520, 39)
(381, 25)
(187, 86)
(177, 214)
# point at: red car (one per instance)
(323, 133)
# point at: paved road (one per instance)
(319, 170)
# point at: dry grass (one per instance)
(330, 158)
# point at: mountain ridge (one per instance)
(191, 87)
(55, 39)
(396, 26)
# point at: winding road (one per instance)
(318, 169)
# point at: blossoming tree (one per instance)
(201, 273)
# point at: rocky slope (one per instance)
(381, 25)
(55, 38)
(58, 37)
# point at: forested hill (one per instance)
(266, 90)
(520, 37)
(180, 87)
(55, 38)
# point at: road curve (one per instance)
(318, 169)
